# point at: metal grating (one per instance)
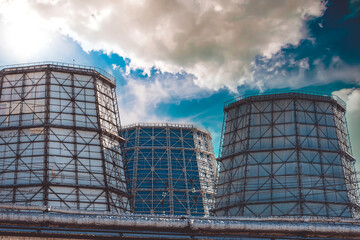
(171, 169)
(286, 155)
(59, 143)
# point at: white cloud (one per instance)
(215, 40)
(283, 71)
(352, 98)
(139, 98)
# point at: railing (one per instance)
(339, 100)
(179, 125)
(336, 98)
(50, 223)
(67, 65)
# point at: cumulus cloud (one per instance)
(140, 97)
(286, 70)
(214, 40)
(352, 97)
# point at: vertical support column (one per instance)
(46, 136)
(106, 190)
(231, 150)
(272, 157)
(116, 109)
(170, 183)
(218, 163)
(348, 142)
(203, 169)
(188, 204)
(222, 134)
(234, 123)
(1, 84)
(216, 173)
(199, 165)
(297, 149)
(322, 175)
(75, 156)
(152, 169)
(125, 134)
(1, 87)
(19, 131)
(134, 190)
(246, 152)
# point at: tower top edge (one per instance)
(56, 65)
(278, 95)
(164, 125)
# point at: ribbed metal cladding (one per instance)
(171, 168)
(59, 142)
(286, 154)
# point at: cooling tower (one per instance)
(59, 142)
(171, 168)
(286, 154)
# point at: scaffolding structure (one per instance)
(171, 168)
(59, 138)
(286, 154)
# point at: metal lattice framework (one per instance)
(171, 168)
(286, 154)
(59, 142)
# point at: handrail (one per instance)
(60, 64)
(51, 209)
(315, 93)
(149, 226)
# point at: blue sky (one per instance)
(179, 61)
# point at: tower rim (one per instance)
(285, 95)
(83, 69)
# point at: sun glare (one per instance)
(25, 35)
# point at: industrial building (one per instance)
(59, 141)
(286, 170)
(171, 168)
(286, 154)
